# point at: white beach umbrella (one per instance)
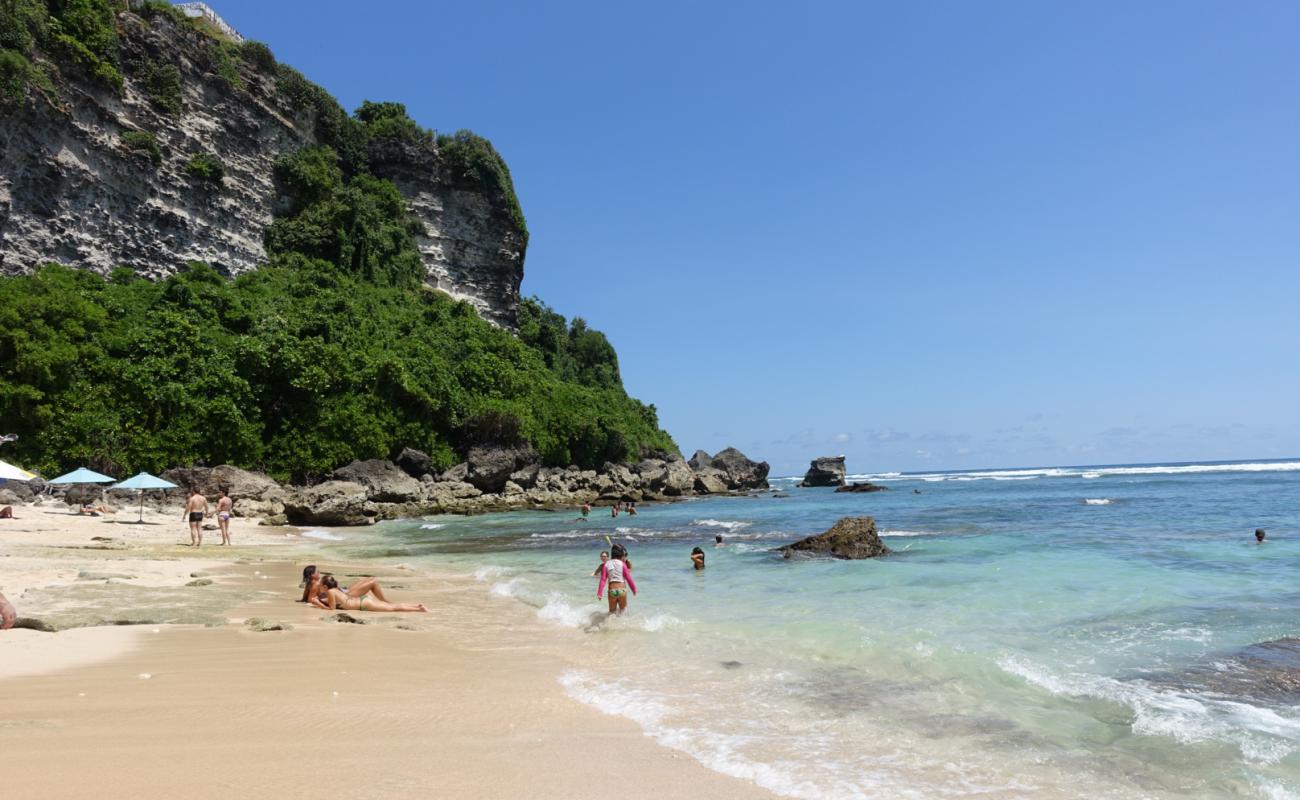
(9, 472)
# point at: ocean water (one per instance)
(1069, 632)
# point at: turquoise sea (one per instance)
(1060, 632)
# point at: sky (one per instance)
(925, 235)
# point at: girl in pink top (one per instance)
(618, 574)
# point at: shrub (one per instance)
(162, 8)
(389, 121)
(143, 142)
(472, 162)
(259, 55)
(226, 64)
(206, 167)
(162, 83)
(15, 73)
(22, 24)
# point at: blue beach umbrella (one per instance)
(141, 483)
(82, 475)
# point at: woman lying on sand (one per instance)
(336, 599)
(313, 586)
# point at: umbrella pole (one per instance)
(141, 506)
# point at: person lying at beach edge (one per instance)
(336, 599)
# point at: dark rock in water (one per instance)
(700, 460)
(710, 481)
(200, 582)
(825, 471)
(1267, 671)
(862, 487)
(384, 482)
(851, 538)
(343, 616)
(742, 471)
(780, 494)
(414, 462)
(262, 625)
(731, 665)
(34, 624)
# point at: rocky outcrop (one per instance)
(741, 471)
(850, 538)
(488, 468)
(700, 460)
(383, 480)
(255, 494)
(862, 487)
(825, 471)
(72, 190)
(330, 503)
(415, 463)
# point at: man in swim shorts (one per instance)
(225, 509)
(196, 508)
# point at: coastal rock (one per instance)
(742, 472)
(329, 503)
(680, 479)
(862, 487)
(274, 520)
(84, 494)
(491, 467)
(262, 625)
(825, 471)
(415, 463)
(8, 498)
(255, 494)
(851, 538)
(700, 460)
(456, 474)
(711, 481)
(384, 482)
(525, 476)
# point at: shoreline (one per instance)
(463, 702)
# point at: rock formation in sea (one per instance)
(97, 178)
(850, 538)
(825, 471)
(862, 487)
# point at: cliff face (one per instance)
(74, 191)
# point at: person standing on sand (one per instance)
(196, 508)
(225, 509)
(8, 614)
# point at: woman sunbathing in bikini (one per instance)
(337, 599)
(312, 587)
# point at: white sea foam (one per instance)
(908, 533)
(1260, 734)
(558, 609)
(731, 525)
(1082, 472)
(1098, 501)
(489, 571)
(433, 526)
(508, 588)
(326, 535)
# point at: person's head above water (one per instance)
(604, 555)
(618, 551)
(695, 551)
(1259, 534)
(717, 539)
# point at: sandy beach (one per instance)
(190, 700)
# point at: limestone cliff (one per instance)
(73, 190)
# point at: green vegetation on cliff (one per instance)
(335, 350)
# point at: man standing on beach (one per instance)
(196, 508)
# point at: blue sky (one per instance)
(925, 235)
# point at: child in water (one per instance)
(604, 556)
(697, 558)
(617, 573)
